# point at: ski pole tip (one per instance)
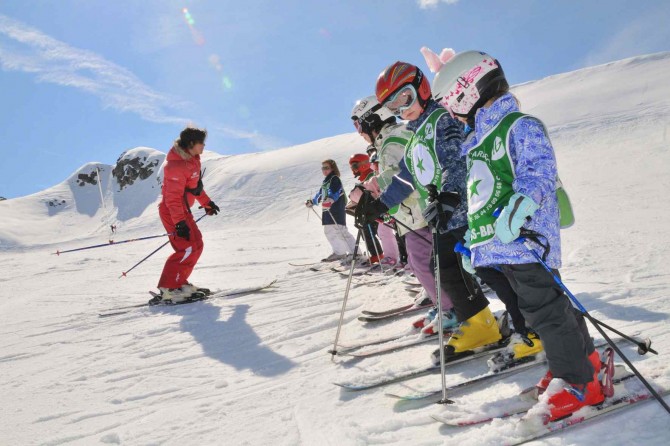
(644, 347)
(445, 401)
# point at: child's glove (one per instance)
(439, 211)
(513, 217)
(465, 257)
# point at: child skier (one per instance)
(182, 186)
(378, 125)
(511, 164)
(333, 218)
(362, 170)
(432, 158)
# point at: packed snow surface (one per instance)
(253, 369)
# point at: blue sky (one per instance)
(84, 80)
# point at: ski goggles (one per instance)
(401, 100)
(363, 129)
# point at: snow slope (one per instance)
(253, 370)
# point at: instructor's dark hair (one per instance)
(190, 136)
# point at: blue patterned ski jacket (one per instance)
(535, 176)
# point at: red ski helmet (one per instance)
(396, 76)
(358, 162)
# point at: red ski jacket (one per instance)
(180, 183)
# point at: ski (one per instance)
(508, 369)
(518, 367)
(395, 345)
(423, 304)
(522, 406)
(229, 293)
(248, 290)
(375, 279)
(411, 337)
(608, 406)
(346, 348)
(317, 263)
(391, 315)
(308, 264)
(426, 370)
(411, 282)
(371, 281)
(366, 271)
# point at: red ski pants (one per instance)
(178, 266)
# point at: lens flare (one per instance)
(215, 62)
(197, 35)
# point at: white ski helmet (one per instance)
(467, 81)
(368, 115)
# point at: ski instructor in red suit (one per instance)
(182, 186)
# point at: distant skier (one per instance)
(332, 199)
(362, 170)
(182, 186)
(113, 228)
(512, 165)
(397, 250)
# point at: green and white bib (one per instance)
(421, 159)
(490, 178)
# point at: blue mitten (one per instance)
(465, 257)
(513, 216)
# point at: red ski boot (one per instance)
(575, 396)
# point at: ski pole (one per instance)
(526, 236)
(317, 215)
(333, 352)
(123, 274)
(643, 347)
(374, 245)
(112, 242)
(412, 231)
(438, 291)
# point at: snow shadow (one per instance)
(86, 198)
(625, 312)
(233, 341)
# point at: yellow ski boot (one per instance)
(521, 348)
(478, 331)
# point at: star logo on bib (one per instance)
(419, 165)
(425, 166)
(473, 187)
(480, 186)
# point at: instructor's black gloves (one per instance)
(211, 208)
(439, 211)
(183, 230)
